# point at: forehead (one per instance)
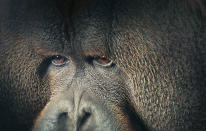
(92, 29)
(85, 32)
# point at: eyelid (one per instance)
(103, 64)
(96, 60)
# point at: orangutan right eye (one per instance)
(102, 61)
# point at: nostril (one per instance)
(83, 119)
(64, 122)
(62, 116)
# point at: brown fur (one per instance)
(158, 49)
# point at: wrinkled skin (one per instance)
(156, 81)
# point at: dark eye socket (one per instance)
(102, 61)
(59, 60)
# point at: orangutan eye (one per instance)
(59, 60)
(102, 61)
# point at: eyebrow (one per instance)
(94, 54)
(44, 52)
(47, 53)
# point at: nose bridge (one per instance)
(77, 98)
(73, 95)
(75, 101)
(76, 91)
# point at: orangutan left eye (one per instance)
(59, 60)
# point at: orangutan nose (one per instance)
(84, 121)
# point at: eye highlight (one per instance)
(59, 60)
